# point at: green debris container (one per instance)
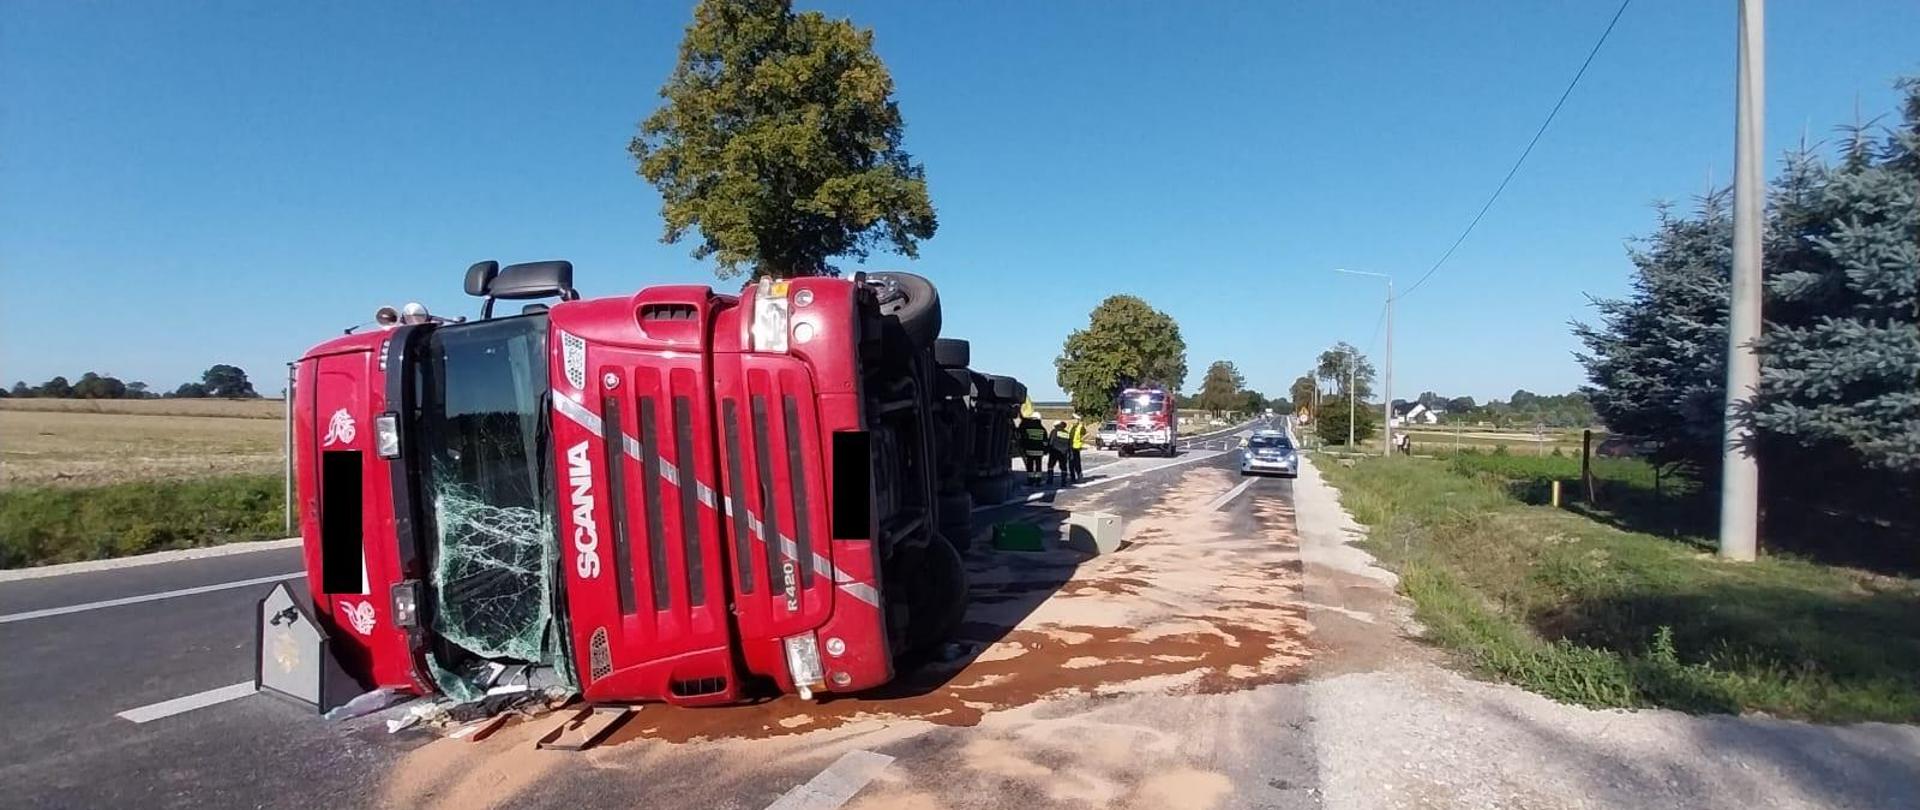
(1016, 536)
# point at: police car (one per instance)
(1269, 451)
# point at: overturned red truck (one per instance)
(676, 495)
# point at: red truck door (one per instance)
(641, 538)
(346, 514)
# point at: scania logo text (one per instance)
(586, 535)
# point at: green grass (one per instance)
(40, 526)
(1573, 608)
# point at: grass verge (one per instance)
(46, 525)
(1580, 611)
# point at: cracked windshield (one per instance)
(484, 449)
(1067, 405)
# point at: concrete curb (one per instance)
(155, 558)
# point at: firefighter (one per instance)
(1059, 447)
(1079, 442)
(1033, 445)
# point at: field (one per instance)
(83, 448)
(87, 479)
(237, 408)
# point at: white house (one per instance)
(1418, 414)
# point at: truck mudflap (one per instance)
(639, 519)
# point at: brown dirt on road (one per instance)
(1191, 606)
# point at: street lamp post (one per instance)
(1387, 379)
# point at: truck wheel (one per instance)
(911, 300)
(952, 353)
(954, 382)
(956, 519)
(941, 599)
(1003, 388)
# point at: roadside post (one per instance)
(286, 453)
(1586, 462)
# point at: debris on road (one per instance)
(582, 729)
(1015, 535)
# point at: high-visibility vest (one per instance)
(1079, 435)
(1036, 440)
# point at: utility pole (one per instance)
(1353, 366)
(1740, 481)
(1387, 381)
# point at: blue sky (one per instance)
(185, 184)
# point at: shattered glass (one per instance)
(484, 439)
(491, 580)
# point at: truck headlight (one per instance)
(770, 316)
(803, 663)
(386, 435)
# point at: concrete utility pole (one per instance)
(1386, 407)
(1740, 482)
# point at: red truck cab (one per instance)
(674, 495)
(1146, 421)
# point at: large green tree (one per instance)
(779, 141)
(1657, 359)
(1302, 392)
(1126, 342)
(1841, 354)
(1837, 417)
(223, 380)
(1220, 388)
(1343, 362)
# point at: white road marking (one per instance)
(1101, 482)
(181, 705)
(150, 597)
(1227, 498)
(835, 785)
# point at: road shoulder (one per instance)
(1395, 728)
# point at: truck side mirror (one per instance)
(480, 277)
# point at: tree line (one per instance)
(221, 381)
(1837, 417)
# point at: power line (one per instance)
(1524, 153)
(1376, 327)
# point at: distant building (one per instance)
(1415, 413)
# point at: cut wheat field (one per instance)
(77, 446)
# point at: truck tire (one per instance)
(956, 519)
(913, 302)
(954, 382)
(941, 599)
(1003, 388)
(952, 353)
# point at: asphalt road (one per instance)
(67, 676)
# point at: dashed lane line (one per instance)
(187, 703)
(835, 785)
(1230, 494)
